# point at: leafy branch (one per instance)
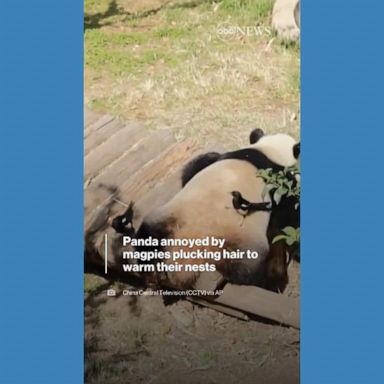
(279, 185)
(290, 235)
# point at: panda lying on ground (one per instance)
(214, 186)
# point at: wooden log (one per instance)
(148, 179)
(246, 299)
(161, 166)
(96, 196)
(250, 299)
(90, 116)
(101, 135)
(101, 193)
(99, 123)
(136, 157)
(109, 151)
(218, 307)
(260, 302)
(209, 281)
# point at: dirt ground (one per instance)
(141, 339)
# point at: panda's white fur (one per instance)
(278, 148)
(204, 208)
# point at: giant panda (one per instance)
(204, 207)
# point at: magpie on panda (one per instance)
(202, 208)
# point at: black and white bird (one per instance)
(245, 207)
(124, 223)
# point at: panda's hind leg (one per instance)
(276, 270)
(244, 272)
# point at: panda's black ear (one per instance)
(296, 150)
(255, 135)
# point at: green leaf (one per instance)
(277, 197)
(278, 238)
(267, 188)
(290, 231)
(290, 241)
(280, 184)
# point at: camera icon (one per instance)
(111, 292)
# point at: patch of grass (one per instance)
(250, 10)
(295, 79)
(92, 282)
(174, 15)
(115, 52)
(170, 67)
(172, 32)
(95, 6)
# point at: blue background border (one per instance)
(41, 194)
(41, 71)
(342, 215)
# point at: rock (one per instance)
(286, 19)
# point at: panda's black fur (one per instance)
(272, 269)
(198, 164)
(251, 155)
(255, 135)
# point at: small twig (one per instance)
(120, 202)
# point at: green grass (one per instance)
(249, 10)
(95, 6)
(112, 51)
(170, 67)
(172, 32)
(93, 282)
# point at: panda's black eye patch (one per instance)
(256, 135)
(296, 150)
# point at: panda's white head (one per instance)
(281, 148)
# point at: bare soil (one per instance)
(141, 339)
